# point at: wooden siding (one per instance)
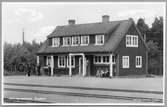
(92, 39)
(50, 42)
(41, 60)
(55, 61)
(132, 52)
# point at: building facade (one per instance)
(113, 47)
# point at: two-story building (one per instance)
(87, 49)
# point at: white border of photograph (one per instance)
(87, 3)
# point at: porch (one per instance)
(80, 64)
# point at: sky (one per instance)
(38, 19)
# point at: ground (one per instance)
(64, 89)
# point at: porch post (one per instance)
(52, 65)
(70, 70)
(146, 63)
(37, 60)
(84, 63)
(111, 66)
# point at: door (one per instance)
(80, 66)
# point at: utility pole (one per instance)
(23, 36)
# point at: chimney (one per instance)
(71, 22)
(105, 18)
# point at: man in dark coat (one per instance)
(28, 69)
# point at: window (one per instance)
(99, 40)
(48, 60)
(101, 59)
(106, 59)
(138, 61)
(96, 59)
(75, 40)
(84, 40)
(114, 59)
(66, 41)
(72, 61)
(61, 61)
(55, 42)
(125, 61)
(131, 41)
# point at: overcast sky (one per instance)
(39, 19)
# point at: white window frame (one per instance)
(55, 42)
(100, 59)
(60, 58)
(48, 60)
(74, 40)
(125, 61)
(72, 58)
(98, 39)
(132, 40)
(138, 61)
(65, 41)
(84, 40)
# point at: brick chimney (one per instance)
(71, 22)
(105, 18)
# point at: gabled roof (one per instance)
(116, 29)
(84, 29)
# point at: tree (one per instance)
(155, 62)
(142, 26)
(154, 42)
(157, 25)
(16, 56)
(157, 31)
(153, 48)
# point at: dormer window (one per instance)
(84, 40)
(66, 41)
(75, 40)
(131, 41)
(55, 42)
(99, 40)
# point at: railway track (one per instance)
(85, 88)
(141, 99)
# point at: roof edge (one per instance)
(141, 37)
(127, 28)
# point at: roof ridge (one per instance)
(93, 23)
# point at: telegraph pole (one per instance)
(23, 36)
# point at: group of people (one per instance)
(103, 73)
(37, 68)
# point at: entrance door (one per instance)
(80, 66)
(114, 70)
